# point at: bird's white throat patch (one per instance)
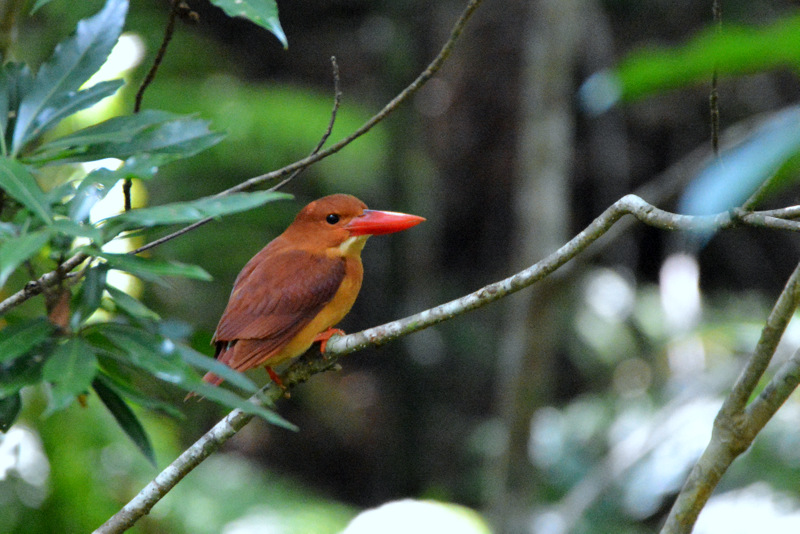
(353, 245)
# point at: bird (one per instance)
(297, 288)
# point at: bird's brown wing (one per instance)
(275, 296)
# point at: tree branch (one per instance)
(36, 287)
(774, 394)
(174, 473)
(303, 368)
(737, 425)
(771, 335)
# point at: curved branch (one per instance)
(627, 205)
(302, 369)
(776, 392)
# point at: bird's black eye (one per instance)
(332, 218)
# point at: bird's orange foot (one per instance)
(323, 337)
(277, 380)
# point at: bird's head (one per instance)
(343, 223)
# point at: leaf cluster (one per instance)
(95, 337)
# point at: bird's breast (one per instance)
(330, 315)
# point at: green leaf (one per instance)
(73, 62)
(152, 269)
(89, 297)
(161, 358)
(116, 130)
(72, 228)
(131, 306)
(126, 419)
(20, 184)
(18, 80)
(146, 351)
(191, 211)
(92, 189)
(16, 251)
(731, 50)
(15, 82)
(7, 230)
(196, 359)
(70, 369)
(73, 104)
(227, 398)
(5, 89)
(97, 184)
(19, 338)
(150, 133)
(262, 12)
(126, 390)
(9, 410)
(39, 4)
(21, 373)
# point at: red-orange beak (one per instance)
(374, 222)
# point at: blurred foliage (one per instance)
(90, 468)
(765, 156)
(728, 50)
(611, 459)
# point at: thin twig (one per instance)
(127, 184)
(404, 95)
(627, 205)
(177, 7)
(173, 235)
(36, 287)
(337, 100)
(716, 9)
(772, 219)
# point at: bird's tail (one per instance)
(212, 379)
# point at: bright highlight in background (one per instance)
(679, 285)
(419, 517)
(126, 54)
